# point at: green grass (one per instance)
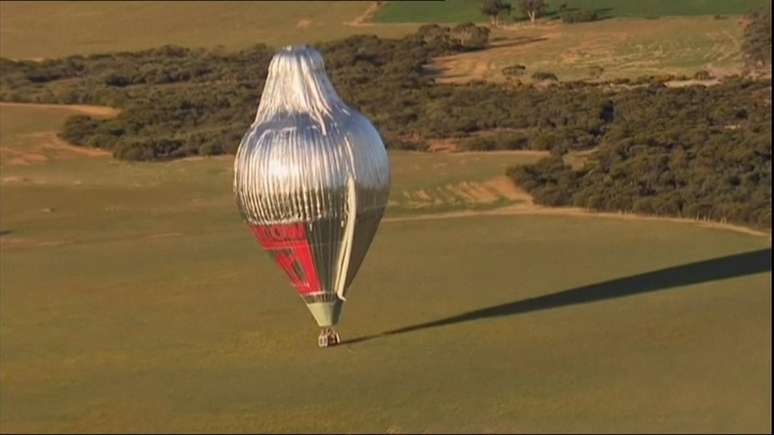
(139, 303)
(457, 11)
(657, 8)
(449, 11)
(54, 29)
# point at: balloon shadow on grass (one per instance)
(747, 263)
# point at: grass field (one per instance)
(134, 300)
(53, 29)
(458, 11)
(620, 47)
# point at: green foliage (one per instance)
(675, 142)
(514, 70)
(457, 11)
(543, 75)
(180, 101)
(696, 152)
(579, 16)
(443, 40)
(176, 101)
(702, 75)
(757, 38)
(494, 9)
(533, 8)
(498, 141)
(549, 181)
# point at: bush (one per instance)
(542, 75)
(669, 152)
(210, 149)
(444, 40)
(134, 151)
(399, 143)
(118, 80)
(468, 36)
(580, 16)
(498, 141)
(78, 128)
(152, 149)
(702, 75)
(756, 45)
(514, 70)
(672, 151)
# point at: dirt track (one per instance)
(365, 18)
(96, 111)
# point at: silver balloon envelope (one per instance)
(311, 179)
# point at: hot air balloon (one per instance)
(311, 178)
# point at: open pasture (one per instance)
(134, 300)
(53, 29)
(604, 50)
(459, 11)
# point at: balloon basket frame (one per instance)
(328, 337)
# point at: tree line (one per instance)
(695, 152)
(501, 10)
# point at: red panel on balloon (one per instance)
(291, 251)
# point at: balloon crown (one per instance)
(297, 83)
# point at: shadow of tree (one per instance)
(731, 266)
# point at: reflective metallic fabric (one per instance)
(312, 179)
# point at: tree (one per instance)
(495, 9)
(533, 8)
(469, 36)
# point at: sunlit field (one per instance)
(133, 299)
(55, 29)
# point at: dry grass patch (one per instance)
(604, 50)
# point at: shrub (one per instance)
(114, 79)
(134, 151)
(702, 75)
(497, 141)
(210, 149)
(756, 46)
(672, 151)
(542, 75)
(514, 70)
(580, 16)
(669, 152)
